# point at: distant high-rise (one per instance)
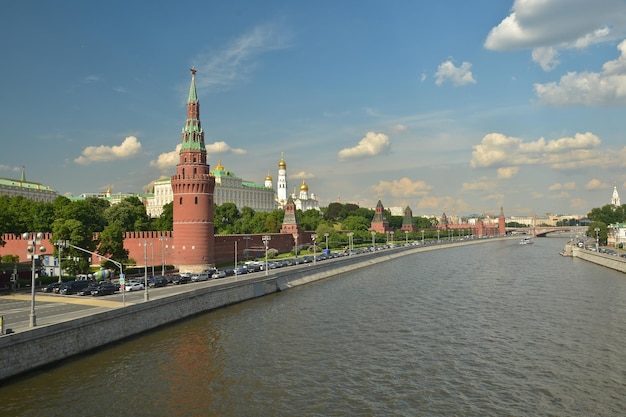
(193, 187)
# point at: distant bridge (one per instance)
(542, 231)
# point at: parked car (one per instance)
(202, 276)
(134, 286)
(51, 287)
(88, 289)
(241, 270)
(105, 288)
(179, 279)
(158, 281)
(72, 287)
(219, 274)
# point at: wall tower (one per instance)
(193, 187)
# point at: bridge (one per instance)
(542, 231)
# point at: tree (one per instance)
(165, 222)
(129, 213)
(309, 220)
(608, 214)
(225, 218)
(356, 223)
(112, 242)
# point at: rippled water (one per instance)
(496, 329)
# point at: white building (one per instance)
(615, 201)
(303, 199)
(228, 189)
(31, 190)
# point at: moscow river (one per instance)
(496, 329)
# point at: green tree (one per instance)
(130, 214)
(355, 223)
(225, 218)
(309, 220)
(112, 243)
(608, 214)
(165, 222)
(602, 233)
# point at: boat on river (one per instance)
(526, 241)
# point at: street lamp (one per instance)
(597, 230)
(422, 236)
(33, 245)
(313, 237)
(162, 239)
(438, 235)
(60, 244)
(406, 237)
(295, 237)
(152, 263)
(146, 296)
(374, 240)
(350, 242)
(391, 233)
(326, 236)
(266, 239)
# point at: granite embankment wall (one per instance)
(21, 352)
(610, 261)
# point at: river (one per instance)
(496, 329)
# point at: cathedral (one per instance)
(303, 200)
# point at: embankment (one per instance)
(610, 261)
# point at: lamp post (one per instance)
(266, 239)
(146, 296)
(295, 237)
(34, 241)
(313, 237)
(391, 233)
(60, 244)
(406, 238)
(597, 230)
(152, 263)
(422, 236)
(162, 239)
(118, 264)
(437, 235)
(326, 236)
(373, 240)
(350, 243)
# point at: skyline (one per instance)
(441, 107)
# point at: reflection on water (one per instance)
(495, 329)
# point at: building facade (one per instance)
(31, 190)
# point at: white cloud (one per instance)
(565, 186)
(302, 175)
(483, 184)
(557, 24)
(607, 88)
(235, 61)
(498, 150)
(167, 160)
(404, 187)
(545, 57)
(507, 172)
(456, 75)
(371, 145)
(596, 184)
(129, 148)
(222, 147)
(399, 128)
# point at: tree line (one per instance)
(77, 221)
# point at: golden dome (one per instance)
(304, 187)
(219, 166)
(268, 178)
(282, 164)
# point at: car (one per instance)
(218, 274)
(203, 276)
(88, 289)
(179, 279)
(105, 288)
(241, 271)
(72, 287)
(51, 287)
(134, 286)
(158, 281)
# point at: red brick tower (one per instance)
(193, 187)
(502, 223)
(379, 221)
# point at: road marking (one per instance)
(88, 300)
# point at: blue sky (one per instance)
(451, 105)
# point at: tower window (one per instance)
(181, 201)
(196, 200)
